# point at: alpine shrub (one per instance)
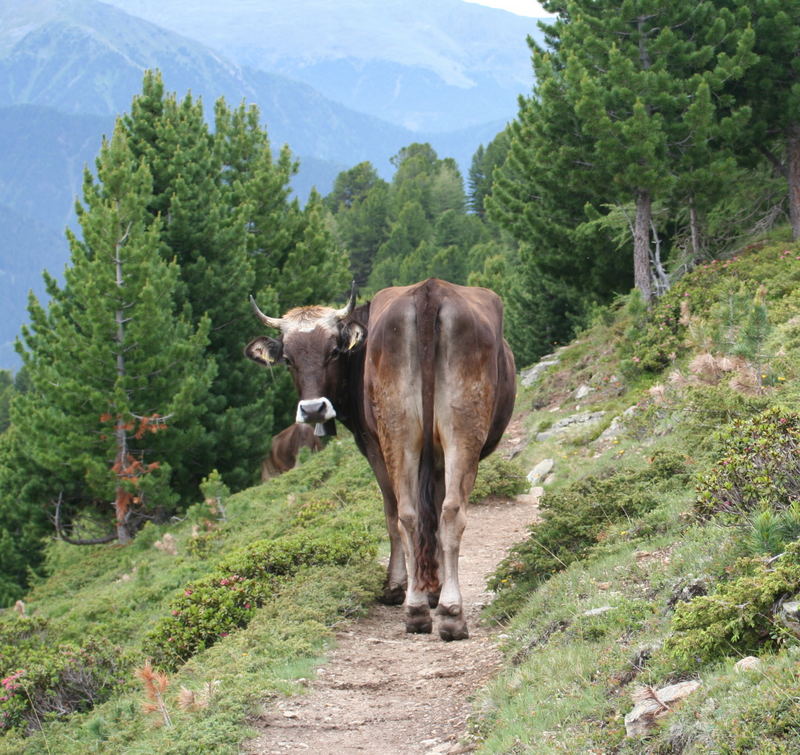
(40, 677)
(498, 477)
(761, 469)
(737, 618)
(227, 598)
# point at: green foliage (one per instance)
(654, 335)
(7, 390)
(574, 520)
(414, 228)
(498, 477)
(111, 361)
(481, 170)
(759, 470)
(707, 408)
(770, 530)
(43, 678)
(227, 598)
(725, 307)
(737, 618)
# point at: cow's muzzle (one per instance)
(315, 410)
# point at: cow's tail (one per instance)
(427, 575)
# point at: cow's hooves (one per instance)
(433, 599)
(453, 629)
(418, 620)
(414, 626)
(392, 596)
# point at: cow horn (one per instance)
(340, 314)
(272, 322)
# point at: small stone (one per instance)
(651, 704)
(540, 471)
(582, 391)
(750, 663)
(598, 611)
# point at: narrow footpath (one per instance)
(385, 692)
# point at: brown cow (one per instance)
(285, 447)
(424, 380)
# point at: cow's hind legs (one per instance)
(392, 595)
(418, 615)
(452, 624)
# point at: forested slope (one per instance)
(664, 549)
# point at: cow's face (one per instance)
(312, 343)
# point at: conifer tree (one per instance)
(771, 88)
(480, 177)
(641, 73)
(110, 362)
(231, 224)
(627, 106)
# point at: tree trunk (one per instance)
(122, 504)
(641, 246)
(793, 175)
(123, 498)
(694, 225)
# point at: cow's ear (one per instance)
(353, 337)
(264, 350)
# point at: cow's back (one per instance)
(441, 341)
(285, 448)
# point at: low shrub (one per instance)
(499, 477)
(41, 678)
(573, 521)
(760, 469)
(654, 337)
(227, 598)
(708, 408)
(737, 618)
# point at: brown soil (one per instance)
(385, 692)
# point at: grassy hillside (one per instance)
(309, 539)
(669, 532)
(666, 542)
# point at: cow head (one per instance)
(312, 343)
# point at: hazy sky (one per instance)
(520, 7)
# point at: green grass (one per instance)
(122, 593)
(568, 677)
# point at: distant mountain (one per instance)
(82, 56)
(68, 67)
(26, 248)
(427, 65)
(41, 172)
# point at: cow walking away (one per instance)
(424, 380)
(285, 448)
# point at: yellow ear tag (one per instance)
(263, 353)
(355, 338)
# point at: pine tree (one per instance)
(641, 73)
(110, 362)
(627, 108)
(771, 88)
(359, 203)
(6, 393)
(481, 171)
(235, 231)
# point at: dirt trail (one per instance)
(385, 692)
